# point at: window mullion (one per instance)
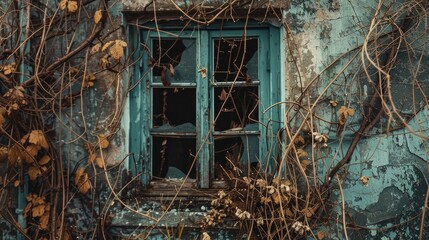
(203, 128)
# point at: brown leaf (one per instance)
(3, 113)
(171, 70)
(299, 140)
(31, 152)
(81, 180)
(164, 80)
(223, 95)
(3, 153)
(305, 163)
(45, 159)
(38, 137)
(38, 211)
(333, 103)
(301, 153)
(107, 45)
(364, 180)
(248, 79)
(97, 16)
(44, 221)
(34, 172)
(15, 155)
(320, 235)
(16, 183)
(102, 140)
(344, 113)
(96, 48)
(116, 51)
(99, 162)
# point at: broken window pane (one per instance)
(173, 106)
(236, 153)
(237, 110)
(173, 157)
(173, 61)
(228, 56)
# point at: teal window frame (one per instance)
(268, 83)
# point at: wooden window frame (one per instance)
(269, 84)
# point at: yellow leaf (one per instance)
(72, 6)
(97, 16)
(34, 172)
(116, 51)
(44, 160)
(38, 211)
(44, 221)
(63, 4)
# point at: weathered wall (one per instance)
(395, 162)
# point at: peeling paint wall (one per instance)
(318, 32)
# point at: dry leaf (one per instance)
(320, 235)
(308, 212)
(63, 4)
(102, 140)
(171, 70)
(66, 235)
(203, 72)
(223, 95)
(333, 103)
(16, 183)
(81, 181)
(44, 160)
(3, 153)
(38, 211)
(72, 6)
(99, 162)
(364, 180)
(15, 155)
(107, 45)
(104, 61)
(299, 140)
(97, 16)
(96, 48)
(289, 213)
(305, 163)
(38, 137)
(34, 172)
(44, 221)
(301, 153)
(3, 112)
(116, 51)
(344, 113)
(31, 152)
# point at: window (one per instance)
(198, 106)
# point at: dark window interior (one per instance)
(174, 106)
(228, 56)
(237, 110)
(172, 157)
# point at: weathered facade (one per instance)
(328, 98)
